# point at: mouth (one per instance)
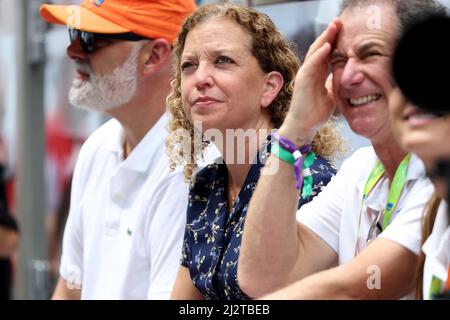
(81, 75)
(83, 70)
(364, 100)
(204, 101)
(415, 114)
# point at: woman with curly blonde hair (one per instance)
(233, 83)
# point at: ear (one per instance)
(156, 55)
(273, 84)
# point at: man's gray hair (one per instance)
(408, 11)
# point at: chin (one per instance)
(362, 130)
(422, 145)
(206, 123)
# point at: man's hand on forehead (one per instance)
(328, 36)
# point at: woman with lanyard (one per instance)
(427, 136)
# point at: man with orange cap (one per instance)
(122, 51)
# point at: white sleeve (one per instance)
(406, 226)
(324, 213)
(71, 268)
(165, 235)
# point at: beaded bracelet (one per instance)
(301, 158)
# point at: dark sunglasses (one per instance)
(88, 39)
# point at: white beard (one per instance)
(103, 93)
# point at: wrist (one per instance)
(302, 159)
(299, 138)
(296, 132)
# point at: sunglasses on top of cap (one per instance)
(88, 40)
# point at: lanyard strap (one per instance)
(396, 186)
(373, 179)
(396, 189)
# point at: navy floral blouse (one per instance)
(212, 239)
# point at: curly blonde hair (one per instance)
(273, 53)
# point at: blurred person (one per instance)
(426, 135)
(122, 53)
(62, 147)
(360, 238)
(57, 230)
(9, 232)
(233, 84)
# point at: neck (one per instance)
(136, 126)
(242, 154)
(236, 177)
(139, 115)
(238, 170)
(390, 156)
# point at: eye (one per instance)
(224, 60)
(187, 65)
(371, 54)
(338, 62)
(101, 43)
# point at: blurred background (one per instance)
(41, 133)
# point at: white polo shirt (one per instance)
(437, 251)
(148, 259)
(109, 196)
(334, 215)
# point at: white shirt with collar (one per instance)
(109, 197)
(339, 217)
(146, 258)
(437, 251)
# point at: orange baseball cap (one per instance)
(149, 18)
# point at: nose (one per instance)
(75, 51)
(352, 74)
(203, 76)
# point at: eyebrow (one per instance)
(365, 47)
(186, 56)
(214, 52)
(229, 52)
(336, 54)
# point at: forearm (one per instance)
(325, 285)
(383, 271)
(64, 291)
(269, 247)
